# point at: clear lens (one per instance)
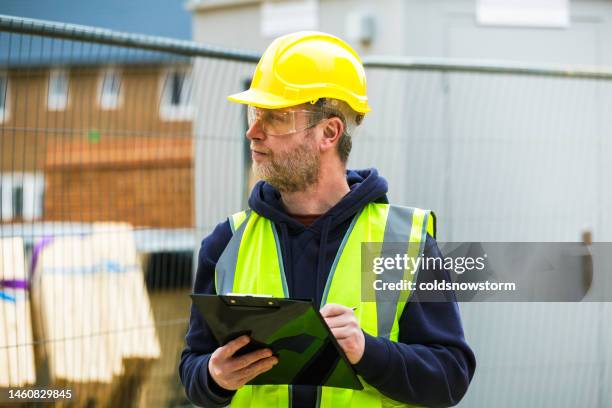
(282, 122)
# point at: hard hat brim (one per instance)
(264, 100)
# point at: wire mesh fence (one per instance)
(503, 157)
(119, 153)
(98, 229)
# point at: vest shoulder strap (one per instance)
(431, 224)
(430, 217)
(237, 219)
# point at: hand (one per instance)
(345, 328)
(231, 372)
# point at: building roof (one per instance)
(166, 18)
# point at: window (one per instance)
(57, 96)
(176, 95)
(3, 98)
(523, 13)
(21, 196)
(282, 17)
(109, 89)
(17, 196)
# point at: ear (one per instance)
(331, 133)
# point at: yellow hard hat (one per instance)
(303, 67)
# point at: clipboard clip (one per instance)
(248, 300)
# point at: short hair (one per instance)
(349, 117)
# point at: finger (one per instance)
(252, 371)
(238, 363)
(233, 346)
(341, 333)
(332, 309)
(340, 320)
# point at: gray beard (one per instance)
(290, 171)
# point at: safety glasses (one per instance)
(277, 122)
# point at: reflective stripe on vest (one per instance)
(252, 263)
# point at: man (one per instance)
(301, 239)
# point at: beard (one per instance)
(290, 171)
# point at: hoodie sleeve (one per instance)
(431, 364)
(200, 343)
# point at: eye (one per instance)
(277, 117)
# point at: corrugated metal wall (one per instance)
(507, 158)
(539, 354)
(499, 158)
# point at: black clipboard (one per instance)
(308, 353)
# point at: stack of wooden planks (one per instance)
(16, 348)
(95, 315)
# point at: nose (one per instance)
(255, 132)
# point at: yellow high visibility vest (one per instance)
(252, 264)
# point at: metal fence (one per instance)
(119, 153)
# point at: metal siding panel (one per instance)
(536, 354)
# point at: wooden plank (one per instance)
(16, 350)
(130, 313)
(96, 319)
(68, 302)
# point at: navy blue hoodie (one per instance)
(430, 365)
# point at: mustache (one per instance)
(259, 149)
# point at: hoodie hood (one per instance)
(307, 252)
(366, 186)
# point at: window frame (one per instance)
(104, 101)
(57, 102)
(32, 187)
(5, 111)
(184, 111)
